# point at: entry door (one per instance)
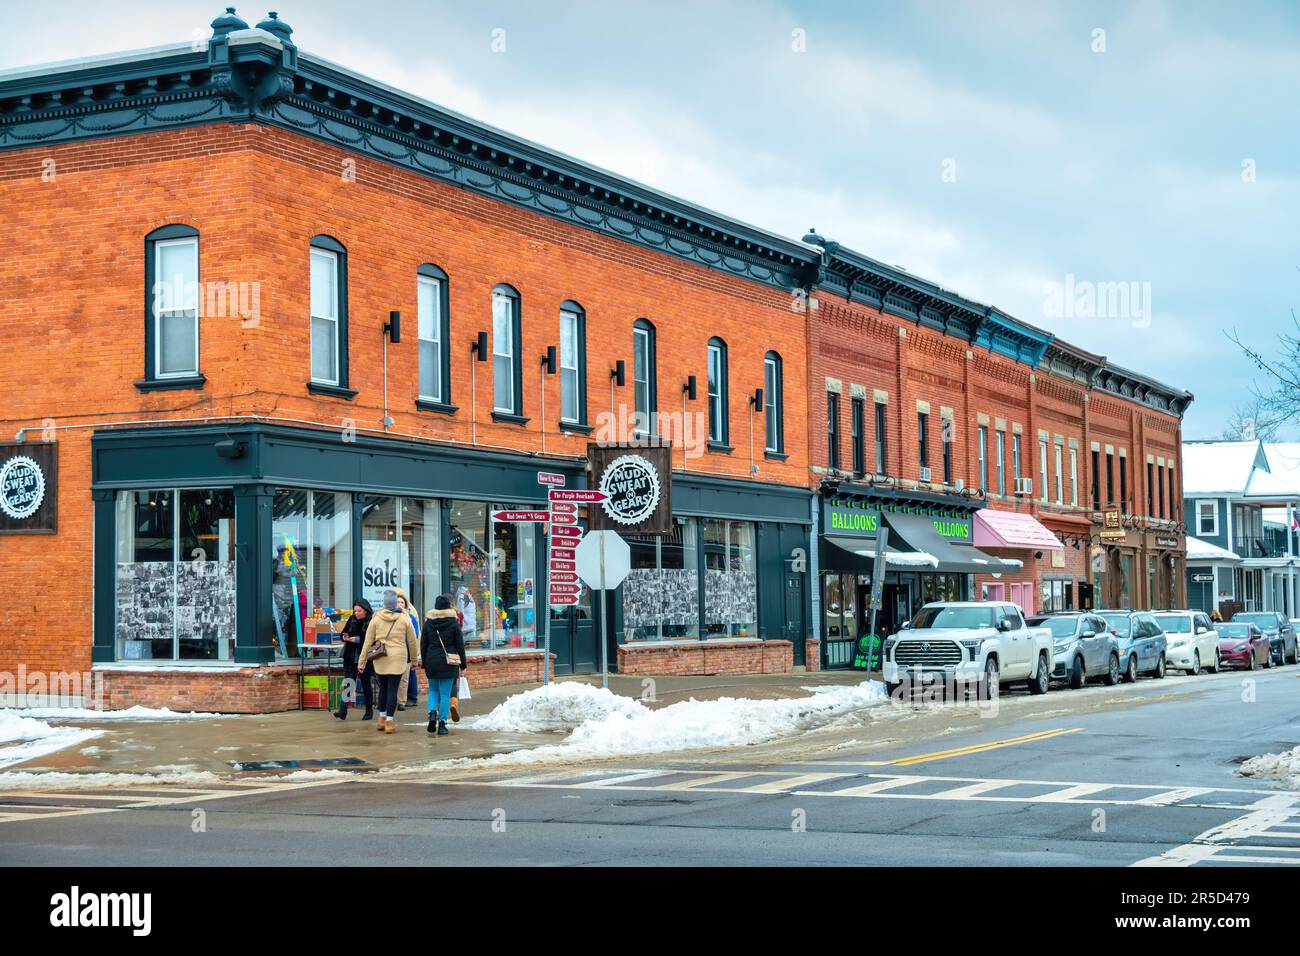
(793, 629)
(573, 638)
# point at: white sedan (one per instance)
(1193, 642)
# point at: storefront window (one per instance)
(311, 541)
(1055, 595)
(940, 587)
(661, 599)
(175, 582)
(495, 588)
(400, 548)
(1125, 580)
(833, 605)
(730, 580)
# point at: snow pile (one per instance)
(622, 726)
(130, 713)
(1284, 767)
(34, 738)
(554, 706)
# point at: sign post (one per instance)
(875, 656)
(603, 560)
(563, 535)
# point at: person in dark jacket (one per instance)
(353, 635)
(442, 649)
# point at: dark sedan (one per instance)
(1242, 644)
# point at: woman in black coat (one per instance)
(442, 649)
(354, 635)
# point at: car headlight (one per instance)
(973, 644)
(1241, 647)
(1181, 642)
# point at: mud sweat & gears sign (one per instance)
(637, 482)
(28, 485)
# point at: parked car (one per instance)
(1242, 644)
(1142, 644)
(1084, 648)
(1193, 642)
(977, 643)
(1279, 631)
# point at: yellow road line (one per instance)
(979, 748)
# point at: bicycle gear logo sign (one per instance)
(632, 484)
(22, 487)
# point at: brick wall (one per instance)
(707, 657)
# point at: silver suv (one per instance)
(1084, 648)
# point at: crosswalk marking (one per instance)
(956, 751)
(792, 783)
(1225, 843)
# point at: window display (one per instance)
(730, 579)
(311, 541)
(495, 588)
(661, 599)
(175, 581)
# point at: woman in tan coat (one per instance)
(390, 628)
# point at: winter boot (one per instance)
(455, 710)
(442, 728)
(390, 727)
(342, 712)
(369, 714)
(380, 726)
(433, 724)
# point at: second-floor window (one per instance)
(984, 457)
(1160, 486)
(573, 363)
(1110, 480)
(882, 446)
(1074, 477)
(1124, 503)
(643, 377)
(857, 415)
(923, 438)
(1060, 476)
(773, 402)
(1001, 438)
(1151, 484)
(1096, 481)
(945, 428)
(172, 278)
(506, 347)
(329, 328)
(1015, 457)
(833, 431)
(1207, 518)
(717, 391)
(432, 321)
(1042, 468)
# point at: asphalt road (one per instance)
(1139, 774)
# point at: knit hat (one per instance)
(442, 603)
(390, 600)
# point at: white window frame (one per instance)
(1214, 510)
(1060, 478)
(180, 295)
(332, 257)
(504, 350)
(715, 383)
(1042, 463)
(1002, 463)
(641, 386)
(982, 433)
(572, 319)
(771, 407)
(1074, 477)
(432, 321)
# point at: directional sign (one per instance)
(563, 508)
(582, 496)
(564, 519)
(567, 532)
(550, 478)
(521, 517)
(603, 560)
(564, 577)
(566, 589)
(564, 600)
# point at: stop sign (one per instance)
(617, 559)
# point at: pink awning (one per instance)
(1010, 529)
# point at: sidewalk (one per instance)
(216, 746)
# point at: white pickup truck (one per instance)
(977, 643)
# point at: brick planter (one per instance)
(812, 654)
(272, 688)
(707, 657)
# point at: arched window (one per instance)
(329, 316)
(507, 377)
(433, 327)
(644, 385)
(773, 403)
(573, 364)
(718, 431)
(171, 328)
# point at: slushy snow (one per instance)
(129, 713)
(607, 725)
(30, 738)
(1284, 767)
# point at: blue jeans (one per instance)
(440, 691)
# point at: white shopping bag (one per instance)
(464, 690)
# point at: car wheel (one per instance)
(1112, 671)
(1250, 661)
(1131, 672)
(1196, 663)
(1077, 676)
(1217, 665)
(1039, 683)
(891, 687)
(1159, 671)
(992, 679)
(1295, 653)
(1268, 660)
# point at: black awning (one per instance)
(917, 533)
(850, 555)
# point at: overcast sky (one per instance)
(997, 148)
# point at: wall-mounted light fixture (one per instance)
(689, 389)
(618, 374)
